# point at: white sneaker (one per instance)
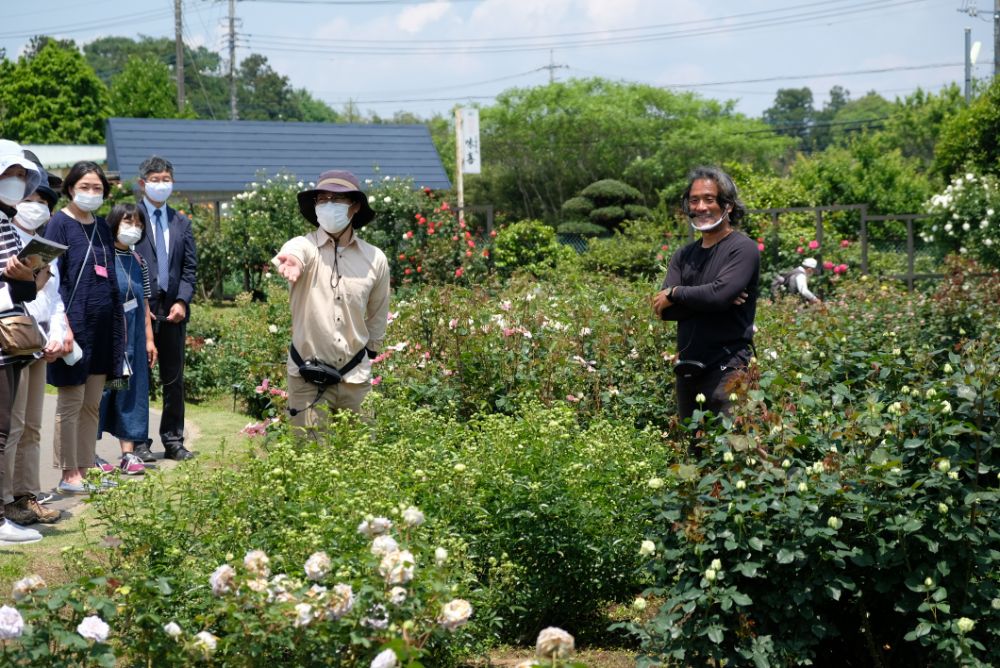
(15, 534)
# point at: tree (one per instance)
(972, 137)
(312, 110)
(53, 97)
(792, 113)
(144, 90)
(541, 145)
(262, 93)
(863, 172)
(915, 123)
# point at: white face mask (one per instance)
(88, 202)
(159, 192)
(32, 215)
(333, 217)
(129, 235)
(709, 227)
(12, 190)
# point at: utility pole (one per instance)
(996, 39)
(552, 67)
(179, 66)
(233, 113)
(968, 65)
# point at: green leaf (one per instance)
(715, 634)
(785, 556)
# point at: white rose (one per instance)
(317, 566)
(93, 628)
(716, 565)
(397, 567)
(11, 623)
(273, 329)
(647, 548)
(554, 643)
(223, 580)
(303, 614)
(375, 526)
(205, 643)
(655, 483)
(341, 601)
(397, 595)
(173, 630)
(834, 522)
(741, 485)
(385, 659)
(27, 585)
(711, 574)
(455, 613)
(440, 556)
(964, 625)
(256, 562)
(412, 517)
(944, 466)
(383, 545)
(699, 398)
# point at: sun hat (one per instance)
(336, 181)
(45, 188)
(809, 263)
(11, 153)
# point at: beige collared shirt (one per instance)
(336, 314)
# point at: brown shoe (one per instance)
(19, 512)
(45, 515)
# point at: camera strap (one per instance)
(321, 386)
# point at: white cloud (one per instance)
(416, 18)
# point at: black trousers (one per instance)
(170, 340)
(712, 384)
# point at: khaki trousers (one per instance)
(77, 413)
(342, 396)
(24, 442)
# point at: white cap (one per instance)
(809, 263)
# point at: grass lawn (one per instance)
(209, 425)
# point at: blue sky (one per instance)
(425, 57)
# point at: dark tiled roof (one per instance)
(224, 156)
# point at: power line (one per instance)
(295, 45)
(123, 19)
(515, 38)
(716, 83)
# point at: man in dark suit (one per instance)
(168, 248)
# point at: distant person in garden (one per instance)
(796, 282)
(169, 251)
(339, 301)
(711, 291)
(89, 290)
(125, 407)
(22, 486)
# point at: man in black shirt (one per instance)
(711, 291)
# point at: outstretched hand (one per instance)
(289, 266)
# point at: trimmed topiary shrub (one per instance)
(606, 203)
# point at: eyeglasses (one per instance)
(336, 198)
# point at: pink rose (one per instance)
(760, 247)
(800, 250)
(828, 265)
(813, 245)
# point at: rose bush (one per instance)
(847, 513)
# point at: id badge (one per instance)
(131, 305)
(101, 270)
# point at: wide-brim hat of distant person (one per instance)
(337, 181)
